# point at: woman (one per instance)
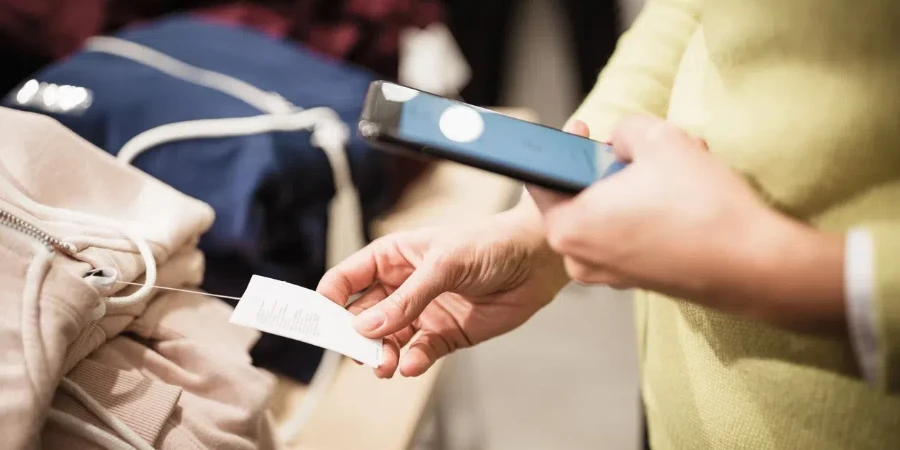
(760, 220)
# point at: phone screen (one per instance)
(484, 135)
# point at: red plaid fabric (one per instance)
(365, 32)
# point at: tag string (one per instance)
(188, 291)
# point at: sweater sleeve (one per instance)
(639, 76)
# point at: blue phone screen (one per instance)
(478, 133)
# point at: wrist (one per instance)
(525, 217)
(797, 277)
(525, 223)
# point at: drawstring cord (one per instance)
(139, 241)
(329, 133)
(84, 429)
(127, 439)
(127, 434)
(320, 120)
(269, 102)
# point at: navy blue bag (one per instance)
(273, 190)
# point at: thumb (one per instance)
(577, 127)
(403, 306)
(544, 198)
(642, 136)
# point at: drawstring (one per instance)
(269, 102)
(76, 425)
(30, 302)
(320, 120)
(132, 440)
(328, 133)
(139, 241)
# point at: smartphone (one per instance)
(401, 119)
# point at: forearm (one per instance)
(791, 275)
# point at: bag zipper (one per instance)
(10, 220)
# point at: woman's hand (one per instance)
(448, 288)
(679, 222)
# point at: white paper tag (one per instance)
(431, 61)
(298, 313)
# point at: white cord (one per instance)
(269, 102)
(88, 431)
(329, 133)
(32, 340)
(316, 119)
(75, 216)
(104, 415)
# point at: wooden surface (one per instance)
(360, 411)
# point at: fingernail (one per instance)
(369, 320)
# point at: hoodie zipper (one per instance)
(10, 220)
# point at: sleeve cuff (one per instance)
(859, 294)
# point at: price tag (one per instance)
(294, 312)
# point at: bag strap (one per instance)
(329, 133)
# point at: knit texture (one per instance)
(802, 98)
(143, 404)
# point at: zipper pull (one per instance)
(12, 221)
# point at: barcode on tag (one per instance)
(294, 312)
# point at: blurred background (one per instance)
(568, 378)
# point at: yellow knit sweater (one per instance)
(803, 98)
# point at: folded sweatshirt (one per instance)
(89, 360)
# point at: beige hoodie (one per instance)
(85, 360)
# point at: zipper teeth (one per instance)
(11, 221)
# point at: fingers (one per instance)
(376, 293)
(577, 127)
(352, 275)
(404, 305)
(546, 199)
(640, 136)
(371, 298)
(573, 227)
(630, 134)
(588, 273)
(425, 350)
(392, 344)
(391, 359)
(392, 348)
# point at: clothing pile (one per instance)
(121, 148)
(255, 126)
(101, 362)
